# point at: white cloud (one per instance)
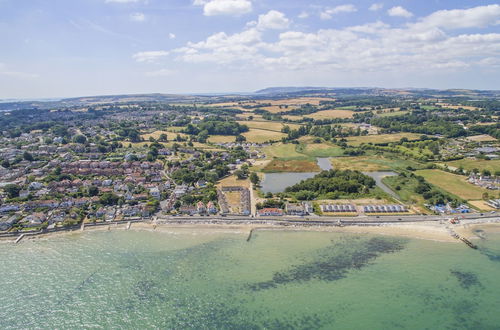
(399, 11)
(172, 35)
(303, 15)
(137, 17)
(273, 20)
(476, 17)
(222, 48)
(125, 1)
(371, 47)
(150, 56)
(160, 73)
(376, 6)
(224, 7)
(329, 12)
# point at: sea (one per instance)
(279, 279)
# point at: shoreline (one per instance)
(425, 231)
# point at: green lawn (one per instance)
(453, 183)
(481, 164)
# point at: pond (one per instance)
(277, 182)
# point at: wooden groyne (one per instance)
(461, 238)
(250, 235)
(468, 243)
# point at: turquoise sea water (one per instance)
(278, 280)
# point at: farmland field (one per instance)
(267, 125)
(283, 151)
(392, 114)
(156, 135)
(481, 138)
(481, 164)
(381, 138)
(261, 136)
(453, 183)
(331, 114)
(320, 150)
(221, 138)
(304, 165)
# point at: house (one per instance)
(188, 209)
(271, 211)
(180, 190)
(296, 209)
(7, 223)
(155, 193)
(9, 208)
(211, 208)
(34, 220)
(200, 207)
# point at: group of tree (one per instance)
(341, 181)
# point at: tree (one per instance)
(486, 172)
(240, 138)
(79, 139)
(12, 190)
(93, 191)
(240, 174)
(27, 156)
(5, 163)
(254, 178)
(163, 137)
(109, 198)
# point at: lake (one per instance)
(193, 279)
(277, 182)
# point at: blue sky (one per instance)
(59, 48)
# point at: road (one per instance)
(324, 221)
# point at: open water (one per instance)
(278, 280)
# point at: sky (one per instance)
(64, 48)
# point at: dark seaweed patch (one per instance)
(334, 262)
(490, 254)
(466, 279)
(147, 290)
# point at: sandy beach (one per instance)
(426, 231)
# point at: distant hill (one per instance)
(271, 92)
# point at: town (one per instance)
(313, 154)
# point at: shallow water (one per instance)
(280, 279)
(277, 182)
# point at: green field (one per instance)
(320, 150)
(299, 165)
(381, 138)
(283, 151)
(372, 163)
(481, 164)
(453, 183)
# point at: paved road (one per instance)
(326, 221)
